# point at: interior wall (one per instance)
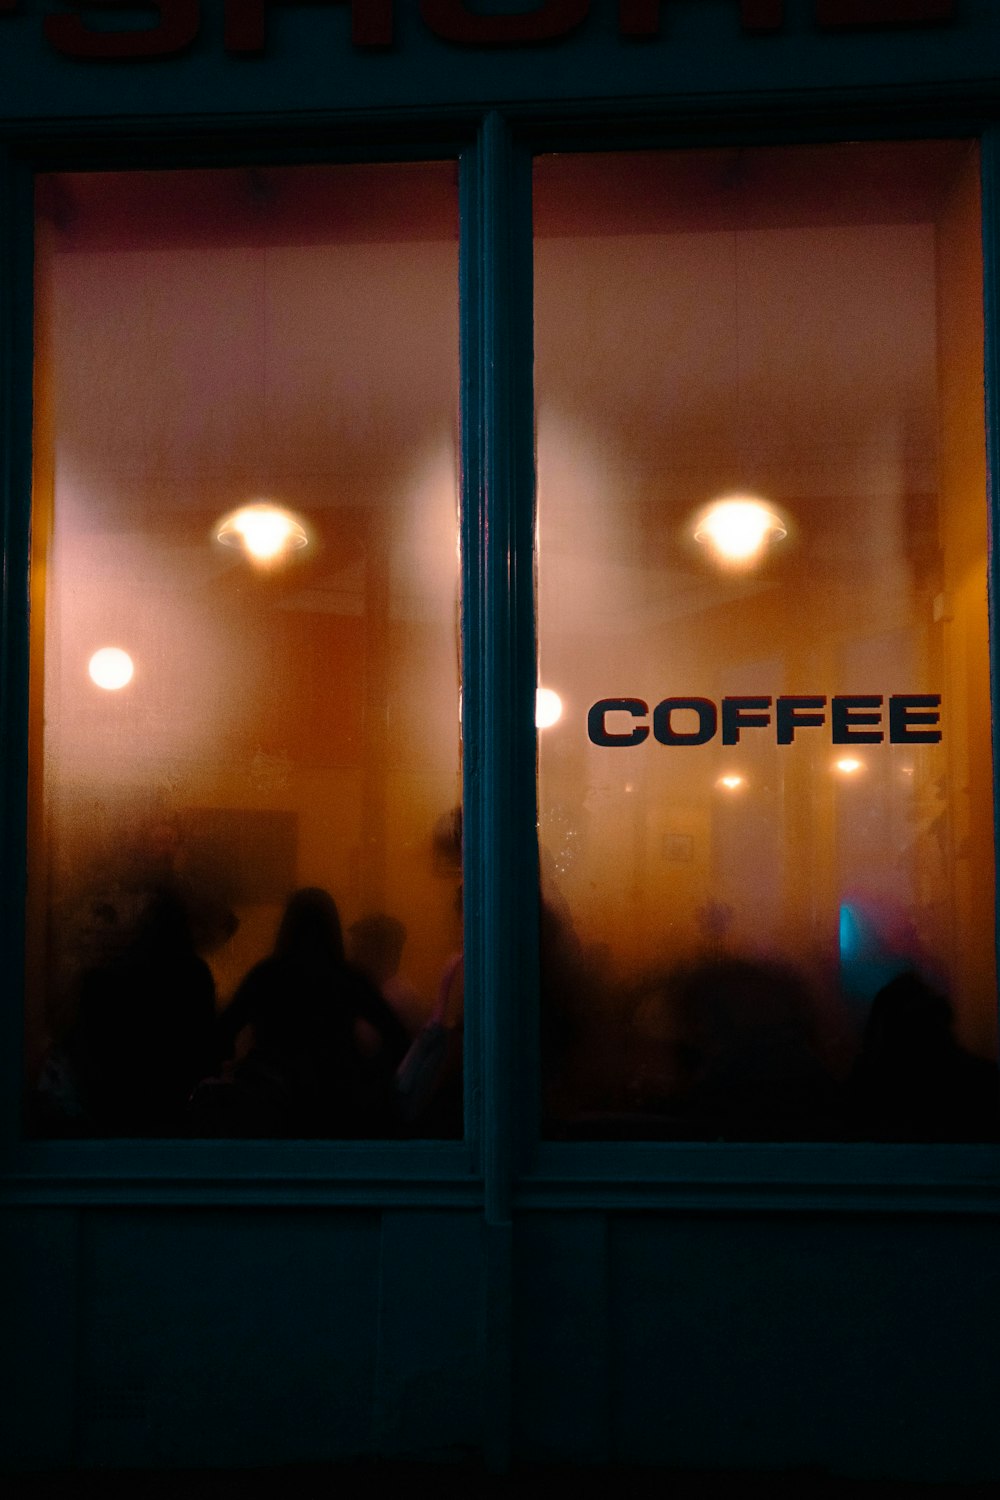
(966, 645)
(804, 328)
(212, 339)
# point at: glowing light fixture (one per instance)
(731, 782)
(848, 766)
(738, 528)
(111, 668)
(548, 708)
(265, 532)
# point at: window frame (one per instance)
(502, 1164)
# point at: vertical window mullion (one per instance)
(15, 491)
(990, 169)
(499, 675)
(500, 852)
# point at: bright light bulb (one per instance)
(548, 708)
(111, 668)
(848, 765)
(738, 527)
(730, 782)
(264, 535)
(265, 531)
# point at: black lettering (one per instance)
(743, 713)
(797, 713)
(598, 731)
(707, 720)
(846, 712)
(909, 709)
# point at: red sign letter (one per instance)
(453, 21)
(246, 24)
(642, 17)
(883, 12)
(176, 29)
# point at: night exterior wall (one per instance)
(686, 1311)
(746, 1342)
(310, 67)
(218, 1338)
(211, 1338)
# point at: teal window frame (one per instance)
(501, 1165)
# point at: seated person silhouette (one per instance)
(146, 1028)
(306, 1074)
(913, 1081)
(376, 948)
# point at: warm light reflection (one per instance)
(265, 531)
(731, 782)
(848, 765)
(111, 668)
(738, 527)
(548, 708)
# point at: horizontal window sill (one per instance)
(682, 1177)
(762, 1177)
(279, 1173)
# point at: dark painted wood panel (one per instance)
(561, 1345)
(862, 1347)
(38, 1335)
(428, 1396)
(227, 1338)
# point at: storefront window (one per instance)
(244, 889)
(766, 804)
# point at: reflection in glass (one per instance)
(246, 404)
(766, 824)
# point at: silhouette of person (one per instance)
(748, 1063)
(146, 1028)
(376, 948)
(912, 1080)
(306, 1070)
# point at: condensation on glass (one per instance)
(766, 810)
(245, 852)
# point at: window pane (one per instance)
(766, 810)
(246, 500)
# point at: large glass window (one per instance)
(245, 868)
(766, 801)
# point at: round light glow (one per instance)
(265, 531)
(848, 765)
(738, 527)
(548, 708)
(111, 668)
(731, 782)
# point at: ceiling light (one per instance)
(548, 708)
(738, 527)
(265, 532)
(111, 668)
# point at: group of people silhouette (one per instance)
(308, 1047)
(730, 1047)
(325, 1039)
